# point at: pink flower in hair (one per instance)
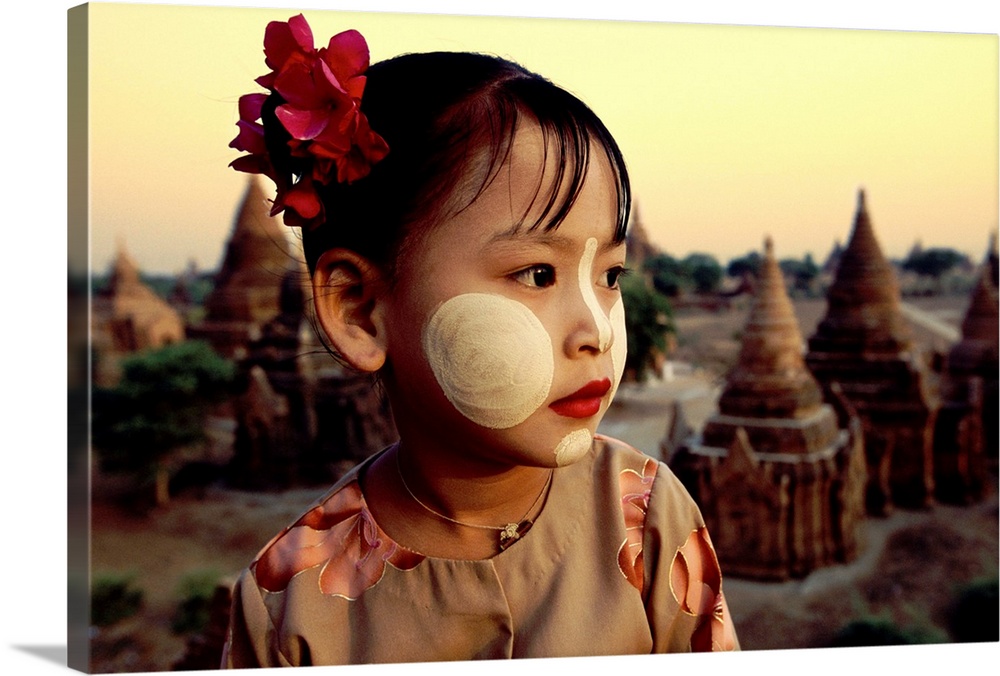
(321, 112)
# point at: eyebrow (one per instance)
(547, 238)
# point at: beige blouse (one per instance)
(618, 562)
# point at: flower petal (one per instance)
(355, 87)
(267, 81)
(302, 198)
(250, 164)
(347, 55)
(283, 40)
(296, 85)
(302, 124)
(327, 85)
(250, 106)
(374, 147)
(301, 32)
(250, 138)
(333, 142)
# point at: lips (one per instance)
(585, 402)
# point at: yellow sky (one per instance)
(731, 133)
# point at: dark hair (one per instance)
(438, 112)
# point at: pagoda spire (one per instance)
(770, 378)
(993, 260)
(247, 287)
(863, 303)
(124, 270)
(981, 318)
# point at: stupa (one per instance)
(864, 345)
(993, 261)
(639, 247)
(248, 284)
(965, 433)
(778, 473)
(303, 416)
(128, 316)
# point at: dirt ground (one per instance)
(909, 568)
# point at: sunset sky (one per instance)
(731, 133)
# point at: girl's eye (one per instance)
(614, 275)
(539, 276)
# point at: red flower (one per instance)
(322, 92)
(285, 42)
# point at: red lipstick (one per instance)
(585, 402)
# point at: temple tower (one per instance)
(965, 433)
(302, 417)
(639, 247)
(128, 316)
(248, 284)
(779, 475)
(863, 343)
(993, 261)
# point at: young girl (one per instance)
(464, 224)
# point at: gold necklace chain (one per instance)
(509, 534)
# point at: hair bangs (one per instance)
(570, 131)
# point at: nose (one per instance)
(586, 335)
(590, 328)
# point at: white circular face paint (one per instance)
(619, 348)
(492, 357)
(573, 447)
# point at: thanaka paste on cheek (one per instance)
(573, 447)
(587, 288)
(619, 348)
(492, 358)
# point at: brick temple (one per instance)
(247, 287)
(128, 316)
(778, 472)
(965, 433)
(864, 345)
(302, 417)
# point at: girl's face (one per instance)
(505, 342)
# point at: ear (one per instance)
(346, 292)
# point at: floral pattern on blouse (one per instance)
(696, 583)
(635, 488)
(339, 535)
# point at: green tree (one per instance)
(158, 406)
(668, 275)
(703, 271)
(648, 321)
(933, 262)
(802, 272)
(744, 265)
(698, 271)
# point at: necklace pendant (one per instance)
(509, 534)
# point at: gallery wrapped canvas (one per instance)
(823, 405)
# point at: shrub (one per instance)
(195, 591)
(876, 631)
(972, 617)
(113, 598)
